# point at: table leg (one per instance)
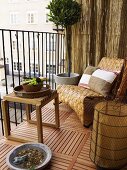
(28, 116)
(39, 124)
(6, 117)
(57, 112)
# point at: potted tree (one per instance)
(65, 13)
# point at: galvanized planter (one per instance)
(41, 147)
(64, 79)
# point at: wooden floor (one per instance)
(70, 144)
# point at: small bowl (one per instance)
(41, 147)
(32, 88)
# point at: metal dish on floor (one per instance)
(16, 161)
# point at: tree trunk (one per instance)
(68, 49)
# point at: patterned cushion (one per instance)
(90, 69)
(76, 97)
(84, 81)
(115, 65)
(101, 81)
(111, 64)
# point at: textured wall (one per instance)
(102, 31)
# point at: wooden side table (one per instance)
(39, 103)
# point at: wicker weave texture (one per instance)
(111, 64)
(123, 86)
(109, 135)
(78, 97)
(75, 97)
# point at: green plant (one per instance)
(33, 81)
(32, 168)
(65, 13)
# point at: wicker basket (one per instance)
(109, 135)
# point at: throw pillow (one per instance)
(90, 69)
(84, 81)
(101, 81)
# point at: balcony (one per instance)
(29, 53)
(40, 54)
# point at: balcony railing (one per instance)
(28, 54)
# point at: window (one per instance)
(51, 44)
(14, 18)
(13, 45)
(47, 19)
(7, 60)
(33, 0)
(13, 1)
(51, 69)
(34, 68)
(17, 66)
(32, 17)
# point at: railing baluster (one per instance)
(49, 63)
(38, 36)
(63, 54)
(46, 54)
(52, 59)
(42, 54)
(23, 48)
(1, 116)
(29, 53)
(34, 52)
(58, 53)
(3, 44)
(19, 69)
(56, 56)
(12, 68)
(17, 39)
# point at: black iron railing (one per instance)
(28, 54)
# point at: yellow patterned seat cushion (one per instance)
(76, 97)
(83, 100)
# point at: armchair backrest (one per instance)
(111, 64)
(122, 91)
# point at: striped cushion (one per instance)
(84, 81)
(101, 81)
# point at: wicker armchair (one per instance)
(83, 100)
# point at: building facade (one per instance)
(33, 48)
(25, 15)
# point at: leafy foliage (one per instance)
(64, 12)
(34, 81)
